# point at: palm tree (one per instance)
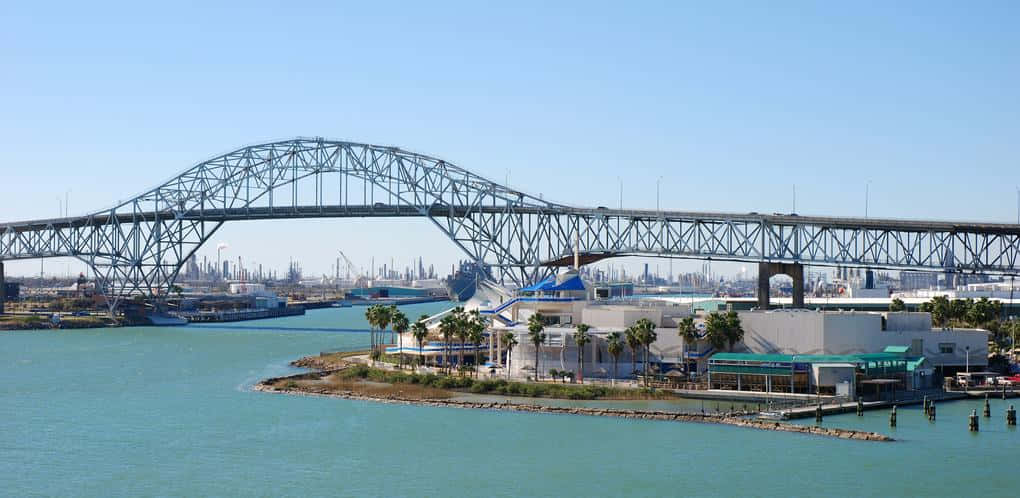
(400, 325)
(734, 332)
(715, 330)
(615, 347)
(372, 315)
(634, 342)
(448, 328)
(391, 312)
(476, 334)
(477, 326)
(458, 332)
(510, 339)
(939, 307)
(385, 318)
(689, 333)
(647, 336)
(463, 330)
(420, 331)
(581, 338)
(537, 337)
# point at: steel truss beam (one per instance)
(138, 247)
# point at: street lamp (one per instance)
(867, 194)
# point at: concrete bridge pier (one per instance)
(768, 270)
(3, 288)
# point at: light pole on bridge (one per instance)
(657, 182)
(867, 194)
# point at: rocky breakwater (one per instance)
(320, 362)
(738, 419)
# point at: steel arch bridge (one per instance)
(138, 246)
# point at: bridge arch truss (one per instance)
(138, 247)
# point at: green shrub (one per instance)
(490, 386)
(357, 371)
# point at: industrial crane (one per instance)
(351, 269)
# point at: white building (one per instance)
(848, 332)
(565, 301)
(790, 332)
(263, 297)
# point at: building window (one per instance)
(947, 347)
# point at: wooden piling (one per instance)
(973, 421)
(892, 417)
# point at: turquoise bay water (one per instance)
(169, 411)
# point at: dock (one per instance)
(851, 406)
(804, 405)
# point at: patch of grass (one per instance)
(497, 386)
(29, 322)
(337, 383)
(24, 322)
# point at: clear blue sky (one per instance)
(730, 102)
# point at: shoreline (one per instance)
(11, 322)
(737, 419)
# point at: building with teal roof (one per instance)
(849, 375)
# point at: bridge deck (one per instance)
(440, 211)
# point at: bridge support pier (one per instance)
(768, 270)
(3, 288)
